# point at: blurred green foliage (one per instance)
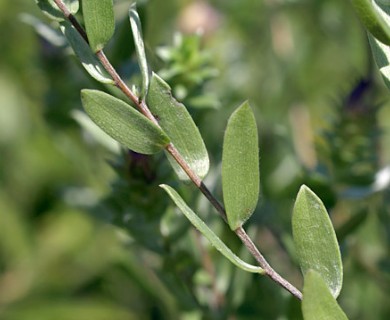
(85, 232)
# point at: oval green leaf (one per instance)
(318, 302)
(240, 166)
(315, 240)
(176, 121)
(375, 19)
(140, 49)
(50, 8)
(123, 123)
(208, 233)
(99, 22)
(381, 53)
(84, 53)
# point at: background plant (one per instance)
(276, 198)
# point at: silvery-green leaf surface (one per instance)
(208, 233)
(123, 123)
(318, 302)
(99, 22)
(315, 240)
(177, 123)
(240, 166)
(87, 58)
(140, 49)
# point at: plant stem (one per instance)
(269, 271)
(61, 5)
(171, 149)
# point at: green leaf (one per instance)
(375, 19)
(208, 233)
(51, 9)
(240, 166)
(140, 49)
(381, 53)
(84, 53)
(123, 123)
(315, 240)
(318, 303)
(176, 121)
(99, 22)
(378, 13)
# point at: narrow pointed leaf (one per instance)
(208, 233)
(240, 166)
(123, 123)
(381, 53)
(374, 18)
(315, 240)
(176, 121)
(84, 53)
(51, 9)
(140, 49)
(99, 22)
(318, 302)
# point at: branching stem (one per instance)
(171, 149)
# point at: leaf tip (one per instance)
(304, 190)
(86, 93)
(245, 107)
